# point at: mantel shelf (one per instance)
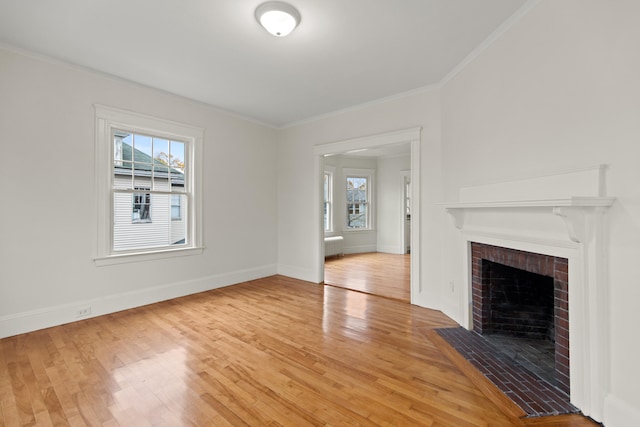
(584, 202)
(570, 209)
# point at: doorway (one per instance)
(360, 247)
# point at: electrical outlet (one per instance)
(83, 312)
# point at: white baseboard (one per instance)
(360, 249)
(52, 316)
(299, 273)
(619, 413)
(389, 249)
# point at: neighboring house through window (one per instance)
(148, 186)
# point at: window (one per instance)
(407, 197)
(358, 193)
(141, 206)
(149, 198)
(328, 199)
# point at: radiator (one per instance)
(334, 246)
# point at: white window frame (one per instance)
(329, 170)
(369, 175)
(109, 120)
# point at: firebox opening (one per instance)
(521, 316)
(521, 302)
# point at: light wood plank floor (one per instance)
(274, 351)
(376, 273)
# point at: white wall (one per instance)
(48, 215)
(559, 91)
(390, 202)
(298, 255)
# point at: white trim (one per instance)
(123, 258)
(574, 201)
(619, 413)
(57, 315)
(108, 119)
(390, 249)
(370, 141)
(362, 249)
(361, 106)
(416, 221)
(411, 135)
(493, 37)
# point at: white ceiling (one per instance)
(344, 52)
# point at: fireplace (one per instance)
(554, 225)
(524, 295)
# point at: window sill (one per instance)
(146, 256)
(357, 230)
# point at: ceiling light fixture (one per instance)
(277, 17)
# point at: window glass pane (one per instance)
(161, 150)
(177, 181)
(142, 148)
(177, 163)
(326, 187)
(357, 195)
(122, 175)
(178, 223)
(144, 220)
(176, 204)
(357, 216)
(117, 150)
(141, 211)
(326, 216)
(177, 155)
(142, 175)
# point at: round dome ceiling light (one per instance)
(277, 17)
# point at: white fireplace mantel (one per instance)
(521, 214)
(570, 209)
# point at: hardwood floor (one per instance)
(376, 273)
(275, 351)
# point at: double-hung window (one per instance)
(148, 179)
(358, 199)
(328, 198)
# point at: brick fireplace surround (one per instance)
(545, 265)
